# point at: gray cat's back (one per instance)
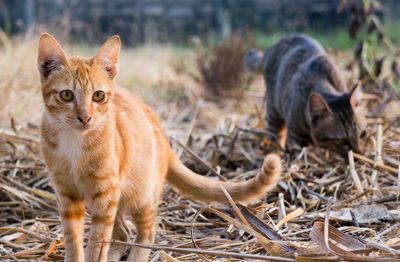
(299, 59)
(286, 57)
(307, 95)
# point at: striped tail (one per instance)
(208, 190)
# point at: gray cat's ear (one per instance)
(317, 107)
(108, 56)
(51, 56)
(356, 95)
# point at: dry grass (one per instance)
(221, 69)
(230, 137)
(19, 82)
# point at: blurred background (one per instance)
(186, 51)
(176, 21)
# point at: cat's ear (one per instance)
(317, 107)
(108, 56)
(51, 56)
(356, 95)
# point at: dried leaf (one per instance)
(292, 215)
(341, 244)
(259, 225)
(271, 247)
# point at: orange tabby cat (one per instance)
(105, 149)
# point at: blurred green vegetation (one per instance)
(337, 39)
(393, 31)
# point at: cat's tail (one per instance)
(209, 190)
(254, 60)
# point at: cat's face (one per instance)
(338, 124)
(77, 91)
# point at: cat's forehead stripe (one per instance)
(344, 112)
(81, 77)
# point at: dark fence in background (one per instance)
(139, 21)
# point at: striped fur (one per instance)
(308, 102)
(116, 163)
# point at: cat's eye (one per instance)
(98, 96)
(363, 134)
(66, 95)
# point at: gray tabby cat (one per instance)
(307, 98)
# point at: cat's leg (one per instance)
(103, 206)
(276, 127)
(145, 220)
(294, 142)
(71, 208)
(72, 213)
(282, 135)
(120, 232)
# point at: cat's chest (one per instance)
(70, 149)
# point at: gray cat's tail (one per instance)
(254, 60)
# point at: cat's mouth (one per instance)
(82, 128)
(78, 126)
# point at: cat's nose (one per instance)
(84, 119)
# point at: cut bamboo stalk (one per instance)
(378, 166)
(354, 174)
(281, 207)
(378, 156)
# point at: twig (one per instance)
(382, 247)
(354, 174)
(9, 253)
(389, 229)
(378, 155)
(101, 251)
(379, 166)
(205, 252)
(190, 129)
(168, 257)
(398, 184)
(292, 215)
(30, 233)
(281, 207)
(326, 224)
(235, 207)
(194, 155)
